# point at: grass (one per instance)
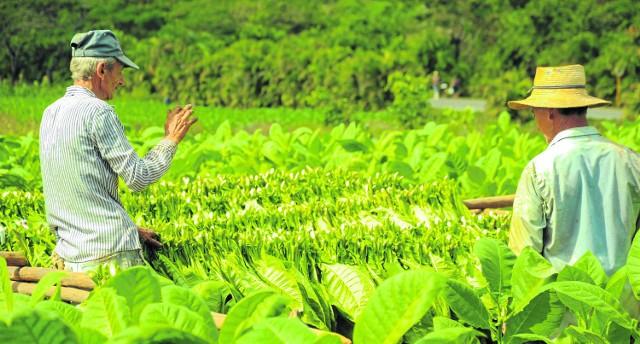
(21, 109)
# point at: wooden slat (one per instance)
(14, 258)
(490, 202)
(78, 280)
(67, 294)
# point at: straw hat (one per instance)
(558, 88)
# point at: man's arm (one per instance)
(136, 172)
(529, 220)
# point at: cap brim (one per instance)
(557, 101)
(128, 63)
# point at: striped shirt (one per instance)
(83, 151)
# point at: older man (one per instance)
(83, 151)
(583, 192)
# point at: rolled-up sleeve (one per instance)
(112, 143)
(528, 221)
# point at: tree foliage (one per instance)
(312, 53)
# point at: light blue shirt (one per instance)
(581, 194)
(83, 151)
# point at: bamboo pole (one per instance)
(490, 202)
(67, 294)
(30, 274)
(14, 258)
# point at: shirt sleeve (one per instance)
(528, 220)
(114, 147)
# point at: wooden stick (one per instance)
(67, 294)
(78, 280)
(14, 258)
(218, 319)
(490, 202)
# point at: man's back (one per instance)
(80, 188)
(581, 194)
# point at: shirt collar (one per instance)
(79, 90)
(574, 132)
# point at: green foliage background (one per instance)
(340, 53)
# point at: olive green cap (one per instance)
(99, 43)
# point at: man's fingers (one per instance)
(191, 121)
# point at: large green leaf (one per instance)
(466, 304)
(497, 261)
(107, 312)
(186, 298)
(251, 310)
(569, 274)
(45, 283)
(327, 338)
(617, 282)
(317, 311)
(441, 323)
(34, 326)
(90, 336)
(138, 286)
(70, 314)
(398, 303)
(530, 272)
(5, 283)
(591, 265)
(542, 316)
(278, 331)
(585, 336)
(156, 335)
(451, 335)
(576, 294)
(178, 275)
(214, 294)
(431, 169)
(350, 287)
(179, 317)
(278, 277)
(633, 266)
(351, 146)
(528, 337)
(615, 333)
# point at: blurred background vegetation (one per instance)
(337, 55)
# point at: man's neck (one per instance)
(568, 122)
(90, 85)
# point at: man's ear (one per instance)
(552, 113)
(101, 69)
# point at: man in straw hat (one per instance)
(83, 151)
(583, 192)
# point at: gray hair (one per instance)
(83, 68)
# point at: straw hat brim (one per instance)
(558, 99)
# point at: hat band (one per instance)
(554, 87)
